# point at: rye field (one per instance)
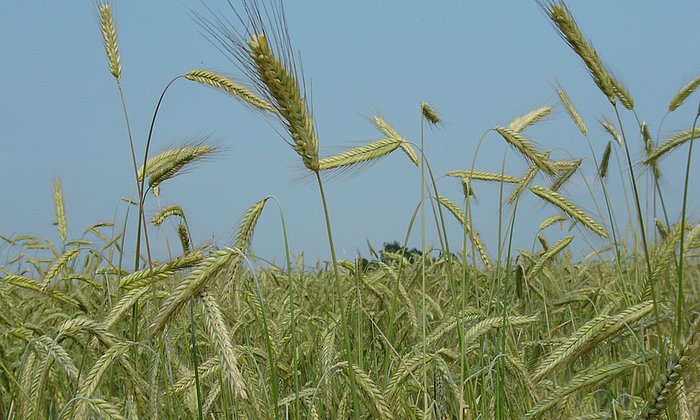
(95, 326)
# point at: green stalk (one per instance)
(422, 264)
(195, 361)
(142, 196)
(295, 377)
(645, 246)
(679, 298)
(268, 343)
(395, 295)
(134, 325)
(339, 292)
(500, 337)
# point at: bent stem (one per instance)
(142, 221)
(142, 196)
(339, 296)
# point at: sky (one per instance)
(479, 63)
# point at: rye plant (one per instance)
(490, 332)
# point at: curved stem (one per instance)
(142, 193)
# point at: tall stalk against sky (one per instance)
(265, 54)
(111, 45)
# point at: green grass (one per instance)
(456, 331)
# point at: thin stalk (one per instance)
(422, 264)
(195, 361)
(505, 288)
(295, 377)
(266, 332)
(394, 299)
(142, 198)
(141, 190)
(645, 246)
(339, 292)
(134, 310)
(679, 298)
(500, 346)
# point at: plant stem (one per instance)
(679, 298)
(134, 309)
(195, 361)
(339, 296)
(645, 246)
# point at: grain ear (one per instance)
(109, 38)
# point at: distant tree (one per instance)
(395, 248)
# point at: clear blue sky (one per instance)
(479, 63)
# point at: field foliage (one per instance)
(450, 330)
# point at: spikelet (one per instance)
(649, 147)
(693, 238)
(109, 38)
(605, 161)
(359, 155)
(525, 181)
(566, 175)
(584, 379)
(527, 149)
(30, 284)
(103, 408)
(543, 241)
(622, 93)
(165, 212)
(205, 370)
(607, 125)
(550, 221)
(184, 236)
(185, 157)
(169, 162)
(670, 144)
(92, 380)
(373, 395)
(247, 227)
(661, 228)
(665, 251)
(429, 113)
(60, 210)
(219, 333)
(569, 30)
(386, 129)
(148, 276)
(548, 255)
(666, 389)
(474, 236)
(193, 284)
(683, 94)
(483, 176)
(407, 365)
(483, 326)
(569, 208)
(522, 122)
(283, 92)
(572, 348)
(221, 82)
(83, 324)
(47, 348)
(125, 303)
(571, 110)
(57, 266)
